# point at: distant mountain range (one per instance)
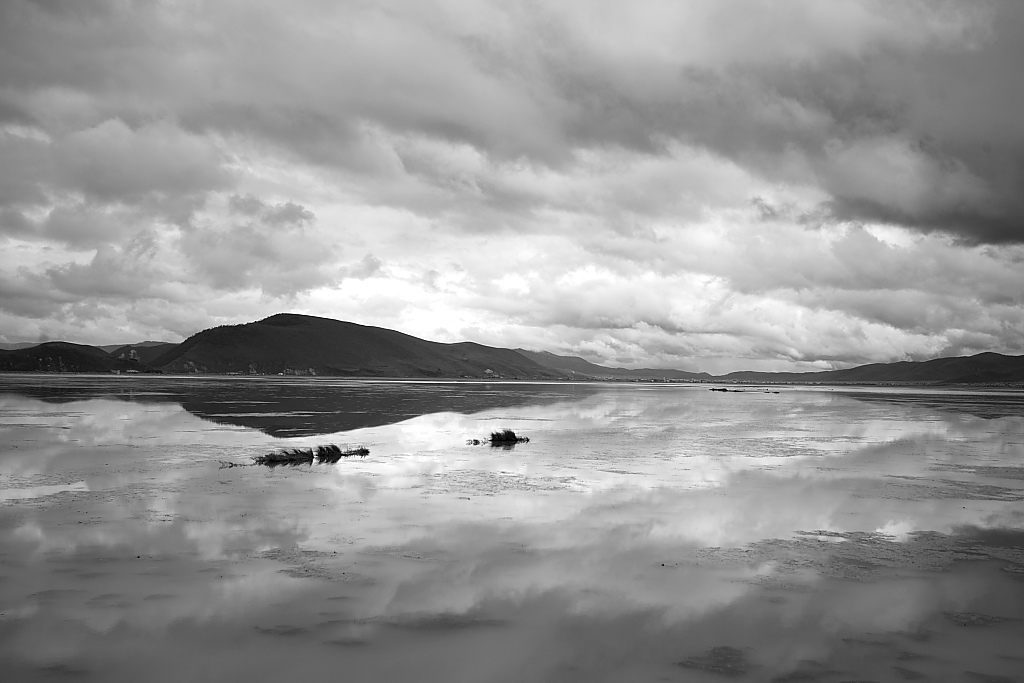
(291, 344)
(983, 368)
(579, 367)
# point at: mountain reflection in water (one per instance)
(644, 533)
(287, 407)
(985, 403)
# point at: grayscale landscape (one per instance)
(505, 341)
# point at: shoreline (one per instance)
(510, 380)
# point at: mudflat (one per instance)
(645, 532)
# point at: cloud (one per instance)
(104, 183)
(653, 182)
(158, 164)
(113, 273)
(367, 267)
(831, 97)
(275, 215)
(25, 295)
(23, 165)
(275, 248)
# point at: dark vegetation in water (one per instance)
(307, 456)
(505, 438)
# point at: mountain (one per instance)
(146, 352)
(578, 366)
(62, 357)
(294, 344)
(306, 345)
(983, 368)
(114, 349)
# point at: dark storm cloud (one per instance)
(859, 99)
(903, 128)
(900, 120)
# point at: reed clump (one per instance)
(504, 437)
(329, 454)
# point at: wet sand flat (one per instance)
(645, 533)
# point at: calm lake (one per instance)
(645, 533)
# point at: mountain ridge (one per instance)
(296, 344)
(289, 343)
(577, 365)
(982, 368)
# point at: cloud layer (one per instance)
(700, 185)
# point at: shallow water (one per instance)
(645, 533)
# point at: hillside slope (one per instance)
(579, 366)
(982, 368)
(62, 357)
(111, 348)
(147, 352)
(307, 345)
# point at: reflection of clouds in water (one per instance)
(764, 489)
(707, 601)
(40, 491)
(660, 521)
(109, 433)
(607, 572)
(732, 495)
(898, 531)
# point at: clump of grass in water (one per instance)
(307, 456)
(507, 436)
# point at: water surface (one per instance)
(646, 532)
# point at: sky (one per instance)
(703, 185)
